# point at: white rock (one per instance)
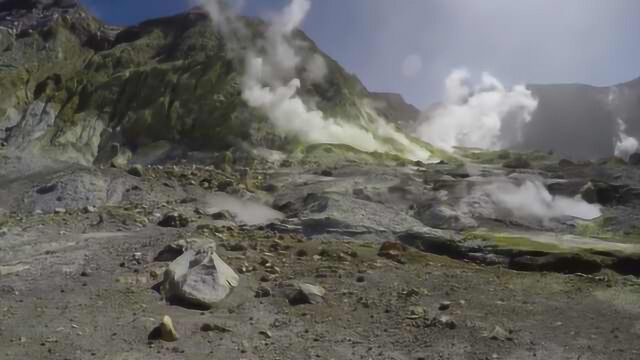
(198, 279)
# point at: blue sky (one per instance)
(409, 46)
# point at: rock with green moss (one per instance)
(74, 85)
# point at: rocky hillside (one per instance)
(586, 114)
(73, 86)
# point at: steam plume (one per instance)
(270, 83)
(526, 200)
(625, 144)
(489, 116)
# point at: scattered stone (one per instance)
(59, 210)
(265, 333)
(89, 209)
(416, 312)
(392, 250)
(262, 292)
(360, 278)
(326, 173)
(445, 305)
(302, 253)
(165, 331)
(47, 189)
(445, 321)
(174, 220)
(3, 232)
(198, 280)
(206, 327)
(224, 185)
(500, 334)
(136, 170)
(301, 293)
(235, 247)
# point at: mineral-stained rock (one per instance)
(198, 280)
(165, 331)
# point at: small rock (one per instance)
(174, 220)
(392, 250)
(265, 333)
(302, 253)
(360, 279)
(263, 292)
(3, 232)
(136, 170)
(446, 321)
(224, 185)
(89, 209)
(59, 210)
(416, 312)
(326, 173)
(302, 293)
(206, 327)
(165, 331)
(445, 305)
(500, 334)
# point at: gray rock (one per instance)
(301, 293)
(198, 280)
(441, 217)
(136, 170)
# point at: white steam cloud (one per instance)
(245, 211)
(271, 83)
(528, 199)
(489, 116)
(625, 144)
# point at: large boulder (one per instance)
(198, 280)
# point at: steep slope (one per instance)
(72, 86)
(396, 109)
